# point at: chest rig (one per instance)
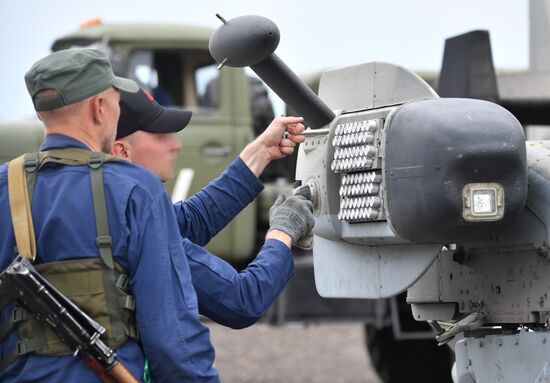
(96, 285)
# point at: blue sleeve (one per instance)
(233, 299)
(175, 342)
(207, 212)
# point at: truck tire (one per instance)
(407, 361)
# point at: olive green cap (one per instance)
(74, 74)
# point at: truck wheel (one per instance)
(400, 361)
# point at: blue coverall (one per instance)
(236, 300)
(149, 246)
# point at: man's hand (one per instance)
(273, 143)
(291, 215)
(276, 142)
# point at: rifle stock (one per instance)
(121, 374)
(116, 374)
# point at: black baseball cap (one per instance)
(72, 75)
(140, 111)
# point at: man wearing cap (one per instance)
(146, 136)
(131, 236)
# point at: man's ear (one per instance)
(98, 108)
(121, 149)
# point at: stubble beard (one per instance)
(107, 144)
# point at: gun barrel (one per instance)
(251, 41)
(301, 99)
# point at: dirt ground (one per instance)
(316, 353)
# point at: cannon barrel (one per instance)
(251, 41)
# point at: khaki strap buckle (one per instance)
(104, 241)
(122, 281)
(95, 161)
(19, 314)
(31, 162)
(128, 302)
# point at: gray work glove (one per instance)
(306, 242)
(292, 215)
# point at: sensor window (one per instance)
(483, 202)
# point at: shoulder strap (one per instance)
(73, 156)
(104, 240)
(21, 177)
(20, 209)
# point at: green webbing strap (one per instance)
(18, 315)
(132, 333)
(69, 156)
(104, 241)
(75, 156)
(30, 164)
(127, 302)
(122, 281)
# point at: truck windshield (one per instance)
(76, 43)
(176, 77)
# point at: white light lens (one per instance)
(484, 202)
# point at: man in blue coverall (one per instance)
(146, 136)
(76, 96)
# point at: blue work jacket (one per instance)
(146, 243)
(236, 300)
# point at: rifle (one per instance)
(74, 327)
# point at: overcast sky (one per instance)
(314, 34)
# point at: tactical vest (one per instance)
(98, 286)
